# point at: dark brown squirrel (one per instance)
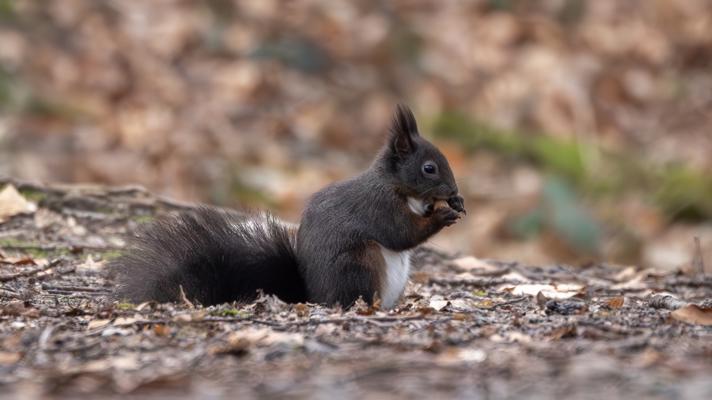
(354, 239)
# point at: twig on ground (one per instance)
(69, 248)
(509, 302)
(698, 262)
(666, 301)
(25, 274)
(466, 282)
(292, 323)
(184, 298)
(48, 287)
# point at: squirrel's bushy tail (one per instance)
(216, 256)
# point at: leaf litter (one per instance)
(465, 327)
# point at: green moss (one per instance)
(684, 193)
(237, 192)
(556, 155)
(125, 306)
(7, 89)
(34, 250)
(34, 195)
(7, 10)
(232, 312)
(110, 254)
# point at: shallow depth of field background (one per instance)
(578, 130)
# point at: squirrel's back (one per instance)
(214, 256)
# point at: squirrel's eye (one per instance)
(429, 168)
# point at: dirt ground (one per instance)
(466, 328)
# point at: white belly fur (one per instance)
(396, 277)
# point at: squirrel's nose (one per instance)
(457, 203)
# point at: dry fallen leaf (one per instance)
(239, 342)
(90, 264)
(615, 302)
(13, 203)
(161, 330)
(420, 277)
(455, 356)
(554, 291)
(438, 303)
(97, 323)
(625, 274)
(693, 314)
(566, 331)
(477, 267)
(15, 307)
(7, 358)
(460, 317)
(123, 321)
(301, 309)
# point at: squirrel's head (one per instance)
(417, 166)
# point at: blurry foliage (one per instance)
(560, 212)
(293, 52)
(598, 109)
(680, 191)
(6, 89)
(685, 193)
(7, 12)
(556, 155)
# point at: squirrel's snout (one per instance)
(457, 203)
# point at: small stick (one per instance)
(508, 302)
(24, 274)
(666, 301)
(46, 286)
(698, 261)
(296, 323)
(184, 298)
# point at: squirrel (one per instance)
(354, 239)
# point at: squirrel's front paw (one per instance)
(445, 216)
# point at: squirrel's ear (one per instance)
(403, 130)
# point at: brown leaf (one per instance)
(261, 337)
(14, 308)
(460, 317)
(24, 261)
(615, 302)
(301, 309)
(693, 314)
(98, 323)
(161, 330)
(420, 277)
(363, 308)
(562, 332)
(7, 358)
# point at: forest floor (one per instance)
(466, 328)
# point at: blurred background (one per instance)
(579, 131)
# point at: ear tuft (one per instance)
(403, 130)
(404, 121)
